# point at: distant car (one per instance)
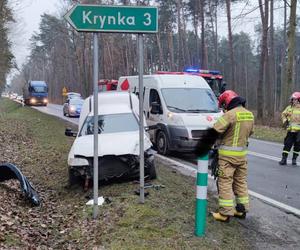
(72, 107)
(118, 135)
(71, 95)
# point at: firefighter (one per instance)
(291, 120)
(234, 129)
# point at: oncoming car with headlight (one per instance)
(72, 107)
(118, 149)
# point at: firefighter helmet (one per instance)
(295, 96)
(226, 97)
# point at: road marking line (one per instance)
(193, 171)
(275, 203)
(269, 157)
(266, 142)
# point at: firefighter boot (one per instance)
(220, 217)
(294, 160)
(283, 159)
(240, 211)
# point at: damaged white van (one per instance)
(181, 106)
(118, 149)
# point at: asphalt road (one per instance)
(56, 110)
(266, 177)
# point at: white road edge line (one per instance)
(192, 172)
(266, 142)
(269, 157)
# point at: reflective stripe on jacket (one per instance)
(292, 115)
(235, 126)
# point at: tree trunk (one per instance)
(204, 63)
(291, 50)
(187, 57)
(272, 68)
(180, 41)
(160, 52)
(171, 50)
(283, 62)
(230, 43)
(196, 59)
(260, 86)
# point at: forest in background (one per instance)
(6, 56)
(264, 69)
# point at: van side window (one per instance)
(154, 98)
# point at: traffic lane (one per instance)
(265, 177)
(56, 110)
(280, 183)
(265, 147)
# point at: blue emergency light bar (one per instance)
(203, 71)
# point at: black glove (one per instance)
(206, 142)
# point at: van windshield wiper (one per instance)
(176, 108)
(201, 110)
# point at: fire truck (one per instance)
(107, 85)
(214, 78)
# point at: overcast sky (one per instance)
(29, 11)
(27, 15)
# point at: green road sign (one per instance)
(104, 18)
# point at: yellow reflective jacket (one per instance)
(291, 116)
(235, 127)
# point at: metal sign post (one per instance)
(95, 79)
(141, 115)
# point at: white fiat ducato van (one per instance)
(182, 107)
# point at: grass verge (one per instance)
(267, 133)
(36, 143)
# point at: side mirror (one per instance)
(152, 127)
(69, 132)
(155, 108)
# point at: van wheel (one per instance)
(162, 143)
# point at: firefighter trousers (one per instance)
(292, 139)
(232, 185)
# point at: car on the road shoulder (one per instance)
(72, 107)
(118, 134)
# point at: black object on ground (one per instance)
(137, 192)
(9, 171)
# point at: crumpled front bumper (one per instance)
(115, 167)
